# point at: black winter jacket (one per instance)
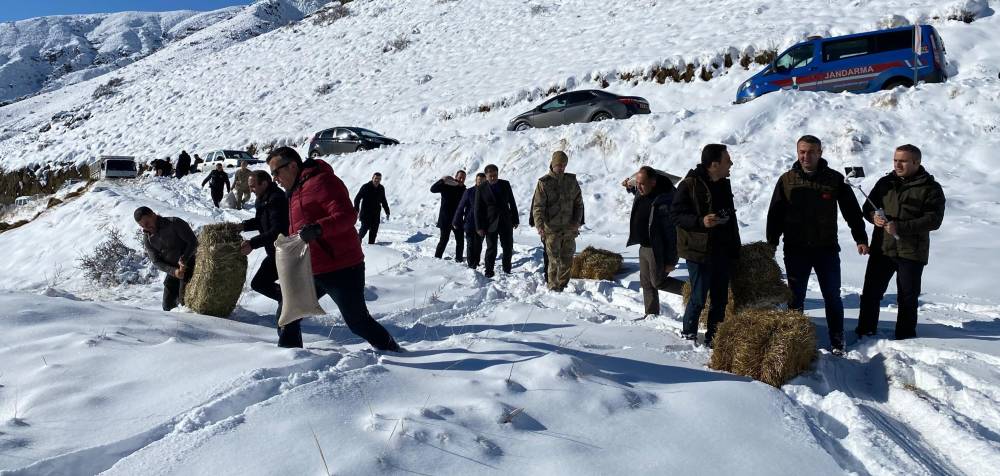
(495, 209)
(217, 179)
(173, 241)
(661, 227)
(696, 197)
(270, 218)
(451, 195)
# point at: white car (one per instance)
(229, 158)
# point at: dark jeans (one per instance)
(371, 229)
(877, 275)
(173, 288)
(545, 260)
(474, 248)
(708, 279)
(217, 197)
(798, 266)
(443, 243)
(505, 235)
(266, 282)
(652, 279)
(347, 289)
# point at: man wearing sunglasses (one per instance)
(321, 212)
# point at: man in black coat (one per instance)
(451, 190)
(270, 219)
(708, 237)
(496, 218)
(804, 209)
(465, 221)
(369, 203)
(183, 165)
(652, 228)
(218, 179)
(170, 245)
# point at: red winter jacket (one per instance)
(319, 196)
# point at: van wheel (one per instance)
(601, 116)
(893, 83)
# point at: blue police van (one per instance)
(860, 63)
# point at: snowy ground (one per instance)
(502, 377)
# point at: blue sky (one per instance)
(11, 10)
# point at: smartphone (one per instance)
(854, 172)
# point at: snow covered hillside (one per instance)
(501, 376)
(48, 53)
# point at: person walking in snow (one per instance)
(451, 190)
(183, 165)
(496, 218)
(708, 237)
(217, 179)
(320, 212)
(170, 245)
(912, 205)
(270, 219)
(464, 221)
(804, 210)
(368, 203)
(241, 184)
(557, 210)
(652, 228)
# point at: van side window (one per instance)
(896, 40)
(843, 49)
(798, 56)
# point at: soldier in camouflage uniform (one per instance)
(557, 212)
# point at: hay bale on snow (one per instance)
(769, 345)
(756, 282)
(595, 263)
(219, 271)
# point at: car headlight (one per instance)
(745, 85)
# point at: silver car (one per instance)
(580, 106)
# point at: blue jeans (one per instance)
(798, 266)
(708, 279)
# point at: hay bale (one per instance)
(769, 345)
(595, 263)
(219, 271)
(756, 282)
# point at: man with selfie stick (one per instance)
(804, 209)
(914, 206)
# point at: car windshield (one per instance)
(120, 165)
(368, 133)
(237, 154)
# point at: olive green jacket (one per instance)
(916, 205)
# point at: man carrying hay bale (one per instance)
(652, 228)
(320, 212)
(804, 210)
(219, 273)
(708, 237)
(557, 211)
(270, 219)
(171, 246)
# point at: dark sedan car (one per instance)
(342, 140)
(580, 106)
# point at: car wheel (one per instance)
(314, 154)
(522, 126)
(601, 116)
(359, 148)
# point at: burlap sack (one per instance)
(230, 201)
(298, 291)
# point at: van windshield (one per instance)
(795, 57)
(120, 165)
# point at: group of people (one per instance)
(185, 165)
(693, 217)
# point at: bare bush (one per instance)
(113, 263)
(397, 44)
(107, 89)
(327, 15)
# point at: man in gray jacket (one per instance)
(170, 245)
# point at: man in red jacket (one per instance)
(321, 212)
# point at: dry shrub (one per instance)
(594, 263)
(114, 263)
(769, 345)
(219, 272)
